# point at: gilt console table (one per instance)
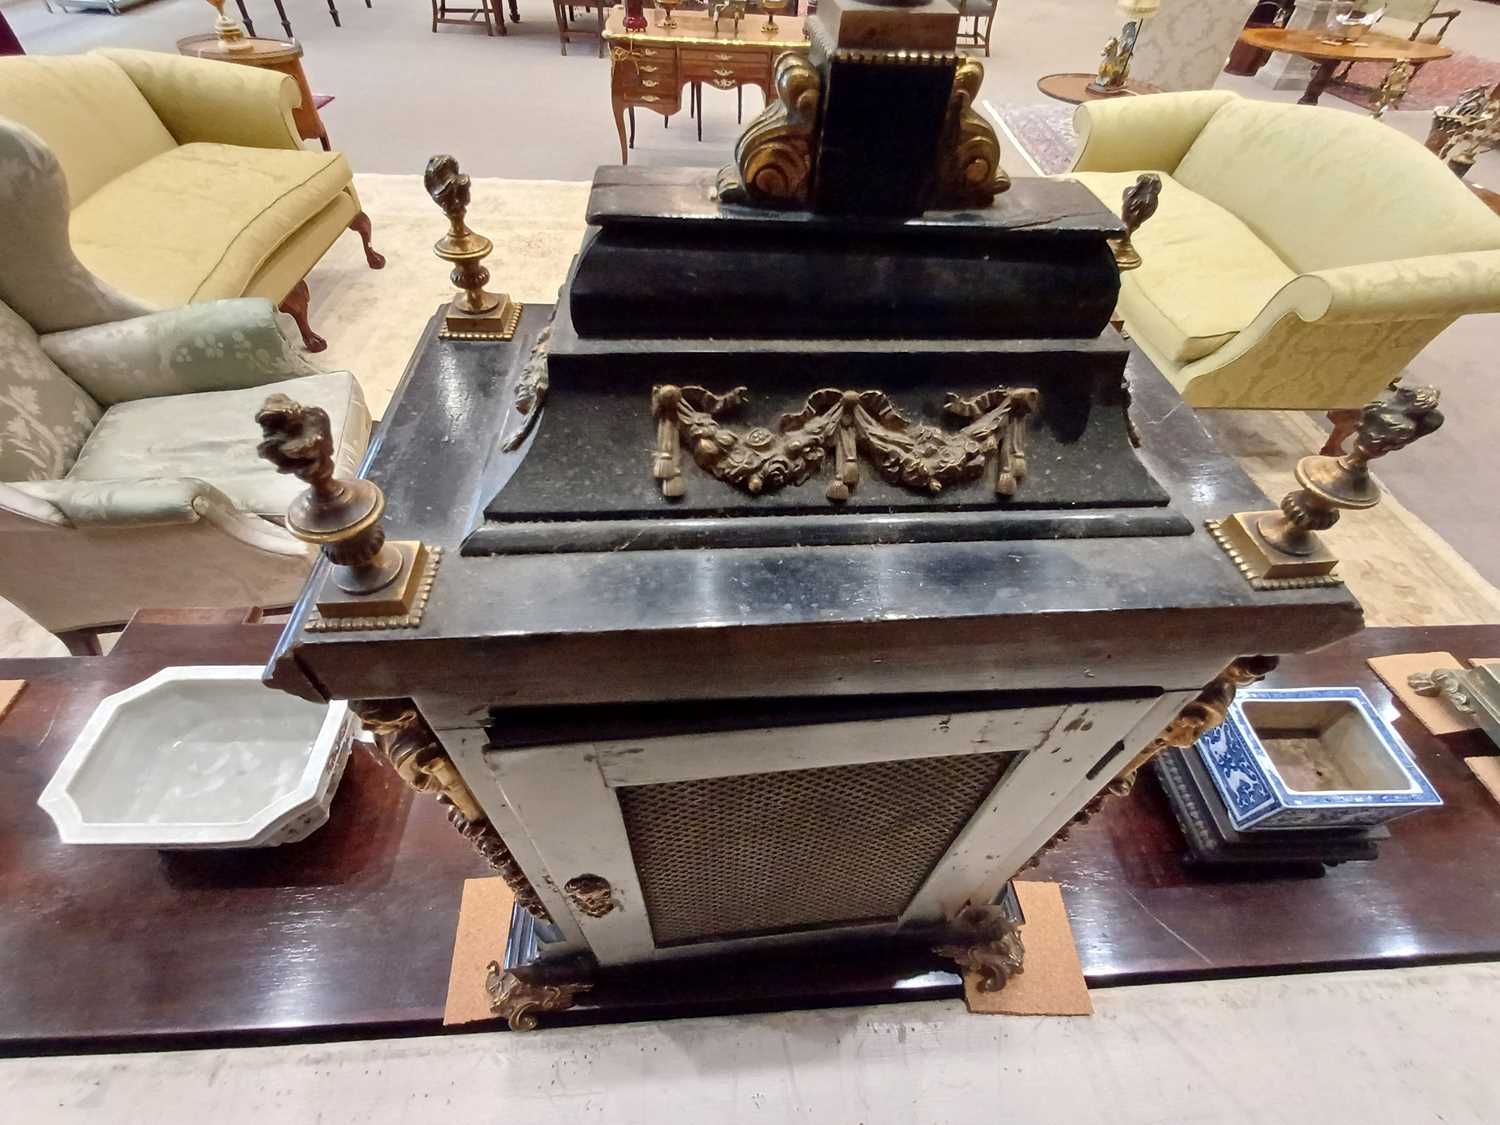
(648, 69)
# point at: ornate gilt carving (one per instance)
(1447, 682)
(845, 426)
(520, 1001)
(1205, 712)
(590, 895)
(986, 943)
(773, 159)
(531, 389)
(1137, 205)
(408, 745)
(969, 172)
(1393, 88)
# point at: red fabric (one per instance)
(9, 44)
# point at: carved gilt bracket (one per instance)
(846, 426)
(1195, 719)
(987, 943)
(521, 1001)
(408, 745)
(775, 157)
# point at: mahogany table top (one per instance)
(1372, 46)
(696, 29)
(350, 932)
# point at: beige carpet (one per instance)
(1402, 572)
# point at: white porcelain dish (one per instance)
(201, 757)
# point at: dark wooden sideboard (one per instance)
(349, 933)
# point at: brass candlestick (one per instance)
(1281, 548)
(772, 7)
(474, 314)
(1139, 204)
(667, 22)
(227, 28)
(383, 584)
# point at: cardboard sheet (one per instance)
(1052, 983)
(483, 923)
(9, 689)
(1487, 770)
(1431, 711)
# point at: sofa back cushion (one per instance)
(87, 111)
(1325, 188)
(44, 415)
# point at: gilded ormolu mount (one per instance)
(846, 426)
(775, 156)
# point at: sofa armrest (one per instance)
(212, 346)
(1441, 285)
(1148, 133)
(206, 100)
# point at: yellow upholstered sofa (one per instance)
(1299, 257)
(186, 181)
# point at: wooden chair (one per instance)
(981, 12)
(568, 25)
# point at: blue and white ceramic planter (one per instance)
(1258, 794)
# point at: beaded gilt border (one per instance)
(506, 333)
(317, 623)
(1311, 582)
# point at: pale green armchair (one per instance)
(128, 472)
(1300, 257)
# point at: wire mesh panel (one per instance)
(764, 853)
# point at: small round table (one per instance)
(1327, 57)
(1074, 88)
(268, 54)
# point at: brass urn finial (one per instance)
(1282, 548)
(378, 579)
(1138, 205)
(474, 313)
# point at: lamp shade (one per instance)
(1137, 9)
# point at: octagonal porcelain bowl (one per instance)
(201, 757)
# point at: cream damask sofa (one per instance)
(128, 471)
(185, 180)
(1300, 257)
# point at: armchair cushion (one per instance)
(210, 346)
(213, 214)
(44, 415)
(1191, 237)
(152, 502)
(212, 437)
(88, 111)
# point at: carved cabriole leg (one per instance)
(407, 744)
(294, 304)
(1201, 715)
(360, 225)
(520, 1001)
(988, 943)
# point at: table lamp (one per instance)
(1114, 67)
(227, 28)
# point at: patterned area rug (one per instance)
(1043, 133)
(1436, 84)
